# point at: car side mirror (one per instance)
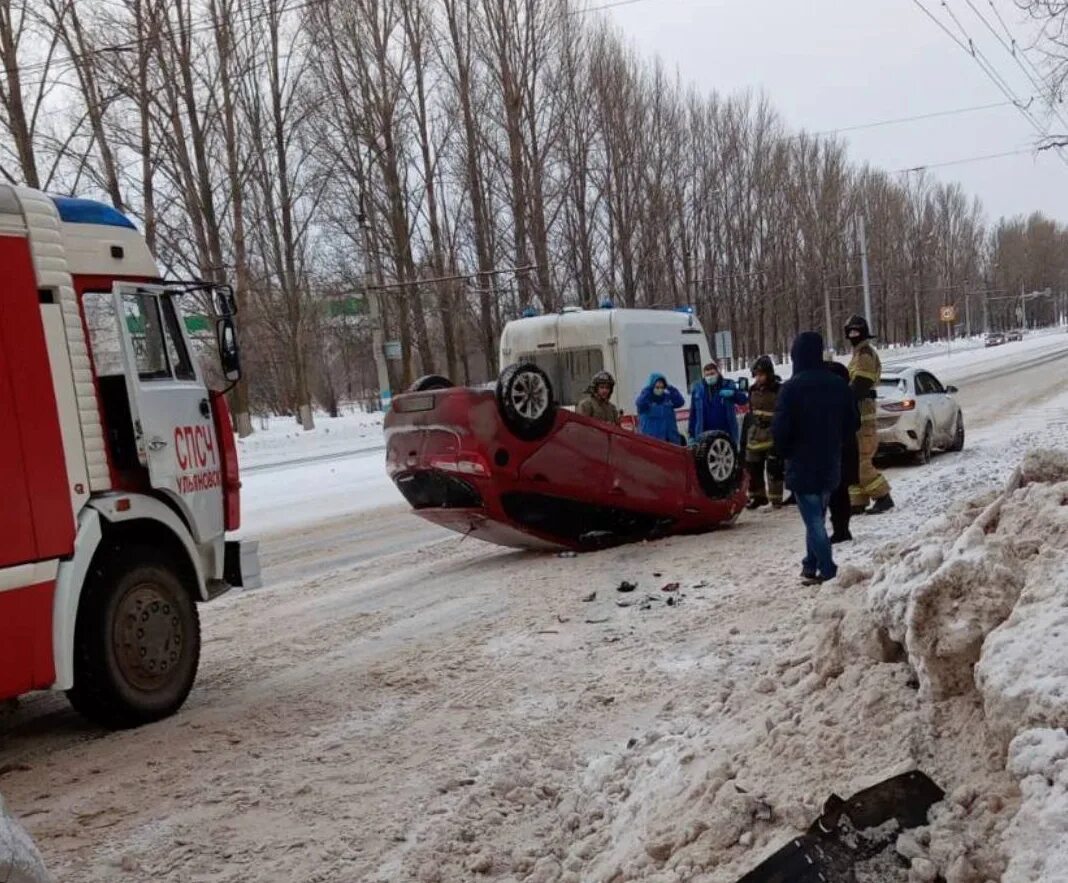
(950, 390)
(229, 349)
(743, 384)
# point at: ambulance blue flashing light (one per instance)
(607, 304)
(89, 211)
(528, 313)
(687, 310)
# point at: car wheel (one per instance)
(958, 435)
(923, 455)
(136, 641)
(525, 401)
(719, 466)
(428, 382)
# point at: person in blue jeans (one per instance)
(815, 417)
(656, 406)
(712, 402)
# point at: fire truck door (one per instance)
(169, 405)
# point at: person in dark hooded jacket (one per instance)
(656, 406)
(814, 417)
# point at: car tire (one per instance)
(136, 641)
(958, 434)
(718, 463)
(429, 382)
(525, 401)
(923, 455)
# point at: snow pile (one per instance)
(1038, 759)
(978, 605)
(20, 862)
(281, 439)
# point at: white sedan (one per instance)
(915, 414)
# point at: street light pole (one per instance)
(374, 305)
(864, 267)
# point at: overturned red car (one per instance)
(511, 467)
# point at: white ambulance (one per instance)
(575, 344)
(118, 464)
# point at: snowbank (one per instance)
(945, 652)
(978, 606)
(19, 860)
(281, 439)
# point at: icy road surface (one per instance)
(400, 704)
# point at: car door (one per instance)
(172, 420)
(941, 406)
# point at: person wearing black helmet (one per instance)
(760, 456)
(864, 372)
(597, 403)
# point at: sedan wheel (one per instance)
(958, 435)
(923, 455)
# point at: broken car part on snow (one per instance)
(851, 831)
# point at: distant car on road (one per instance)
(995, 338)
(1014, 335)
(512, 467)
(916, 414)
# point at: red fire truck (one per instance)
(118, 465)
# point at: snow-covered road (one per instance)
(400, 704)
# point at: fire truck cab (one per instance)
(118, 465)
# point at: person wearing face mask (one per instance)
(712, 402)
(865, 369)
(656, 406)
(597, 403)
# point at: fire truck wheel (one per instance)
(136, 642)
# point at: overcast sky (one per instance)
(828, 64)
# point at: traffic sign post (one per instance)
(948, 314)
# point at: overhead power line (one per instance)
(968, 159)
(611, 5)
(197, 26)
(915, 118)
(967, 45)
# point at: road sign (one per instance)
(393, 350)
(948, 313)
(723, 345)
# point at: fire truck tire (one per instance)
(136, 641)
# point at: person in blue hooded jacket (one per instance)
(656, 406)
(712, 402)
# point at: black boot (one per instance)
(841, 536)
(883, 504)
(755, 503)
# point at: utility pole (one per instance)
(828, 344)
(1023, 307)
(691, 280)
(967, 315)
(864, 267)
(374, 305)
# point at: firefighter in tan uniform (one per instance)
(864, 372)
(760, 456)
